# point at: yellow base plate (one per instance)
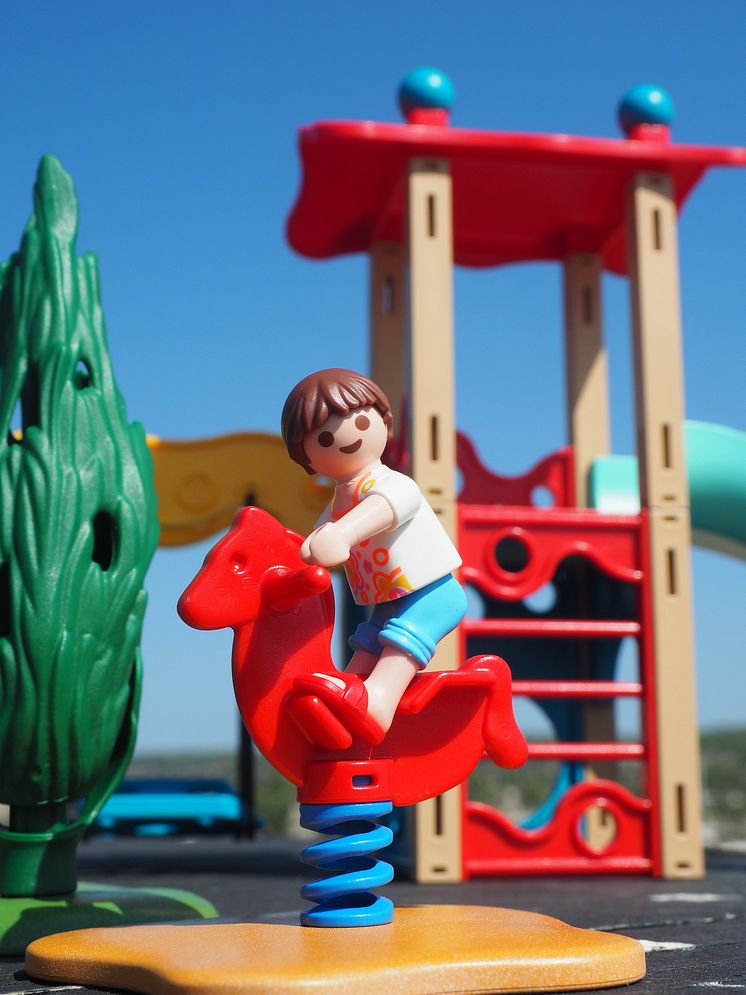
(427, 949)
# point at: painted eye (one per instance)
(326, 439)
(362, 422)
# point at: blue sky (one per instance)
(178, 123)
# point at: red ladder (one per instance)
(616, 545)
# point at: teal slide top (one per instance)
(716, 464)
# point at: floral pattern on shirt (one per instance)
(404, 558)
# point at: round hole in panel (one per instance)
(512, 554)
(475, 607)
(542, 601)
(542, 497)
(598, 828)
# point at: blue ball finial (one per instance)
(645, 104)
(426, 87)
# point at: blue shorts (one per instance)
(414, 623)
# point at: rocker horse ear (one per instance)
(284, 587)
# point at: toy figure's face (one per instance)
(346, 444)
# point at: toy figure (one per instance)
(396, 554)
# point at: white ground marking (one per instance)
(692, 896)
(651, 946)
(715, 984)
(49, 988)
(735, 846)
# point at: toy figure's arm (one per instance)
(330, 544)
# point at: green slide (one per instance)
(716, 463)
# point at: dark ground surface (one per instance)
(705, 920)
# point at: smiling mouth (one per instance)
(352, 448)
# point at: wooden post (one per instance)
(437, 822)
(659, 390)
(587, 387)
(586, 367)
(388, 323)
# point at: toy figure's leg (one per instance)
(390, 678)
(365, 642)
(409, 636)
(362, 663)
(408, 629)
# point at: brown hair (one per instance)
(321, 394)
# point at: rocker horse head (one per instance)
(282, 612)
(255, 567)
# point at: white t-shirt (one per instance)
(412, 553)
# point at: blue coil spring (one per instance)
(345, 898)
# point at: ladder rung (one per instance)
(586, 751)
(577, 689)
(548, 627)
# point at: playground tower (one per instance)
(419, 197)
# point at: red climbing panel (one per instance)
(509, 552)
(493, 845)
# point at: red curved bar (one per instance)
(612, 542)
(482, 486)
(494, 845)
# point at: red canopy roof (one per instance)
(516, 197)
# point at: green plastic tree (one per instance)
(78, 529)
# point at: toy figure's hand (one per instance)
(326, 546)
